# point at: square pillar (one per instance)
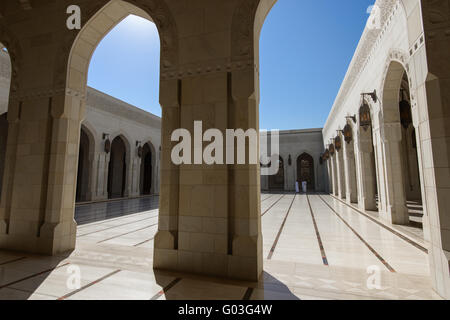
(37, 214)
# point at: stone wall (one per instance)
(294, 143)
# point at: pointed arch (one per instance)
(85, 165)
(118, 167)
(148, 174)
(77, 50)
(306, 171)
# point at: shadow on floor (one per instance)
(22, 275)
(192, 287)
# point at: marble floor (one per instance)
(315, 247)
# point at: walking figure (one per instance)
(305, 186)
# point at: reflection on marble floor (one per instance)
(319, 249)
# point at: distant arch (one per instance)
(117, 168)
(85, 161)
(306, 171)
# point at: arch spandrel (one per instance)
(100, 17)
(248, 20)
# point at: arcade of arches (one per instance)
(382, 154)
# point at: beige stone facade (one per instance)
(300, 160)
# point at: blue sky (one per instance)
(306, 47)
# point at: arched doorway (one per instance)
(117, 169)
(305, 171)
(276, 182)
(403, 186)
(147, 164)
(81, 61)
(84, 170)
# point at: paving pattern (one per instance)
(315, 247)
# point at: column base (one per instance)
(351, 199)
(208, 264)
(54, 239)
(212, 264)
(398, 215)
(367, 204)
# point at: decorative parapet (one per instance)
(369, 40)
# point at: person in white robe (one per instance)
(304, 186)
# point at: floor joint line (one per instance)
(248, 294)
(165, 289)
(33, 275)
(12, 261)
(319, 239)
(273, 204)
(272, 250)
(124, 234)
(386, 264)
(90, 284)
(398, 234)
(113, 227)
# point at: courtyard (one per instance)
(315, 247)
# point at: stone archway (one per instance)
(147, 170)
(392, 136)
(217, 86)
(306, 171)
(402, 175)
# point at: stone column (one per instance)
(156, 171)
(210, 214)
(350, 172)
(330, 177)
(380, 169)
(334, 172)
(367, 172)
(396, 211)
(42, 156)
(135, 176)
(101, 175)
(92, 167)
(166, 239)
(340, 173)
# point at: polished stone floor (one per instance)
(315, 247)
